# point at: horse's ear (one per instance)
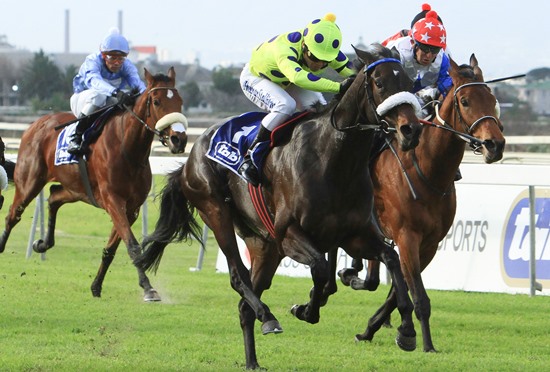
(363, 55)
(454, 65)
(395, 53)
(148, 76)
(477, 71)
(172, 73)
(473, 60)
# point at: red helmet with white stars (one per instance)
(430, 31)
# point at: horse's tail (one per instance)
(176, 223)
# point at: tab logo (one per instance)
(227, 153)
(516, 240)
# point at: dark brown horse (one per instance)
(418, 217)
(318, 193)
(118, 168)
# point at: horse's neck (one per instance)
(345, 150)
(440, 151)
(135, 138)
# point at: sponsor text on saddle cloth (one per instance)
(230, 142)
(62, 156)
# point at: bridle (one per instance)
(162, 137)
(380, 123)
(473, 142)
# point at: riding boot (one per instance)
(458, 175)
(75, 144)
(247, 169)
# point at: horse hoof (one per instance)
(38, 246)
(151, 296)
(346, 275)
(406, 343)
(271, 326)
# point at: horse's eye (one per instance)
(464, 102)
(378, 84)
(156, 102)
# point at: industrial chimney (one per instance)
(67, 49)
(120, 22)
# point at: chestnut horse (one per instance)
(318, 194)
(417, 216)
(119, 172)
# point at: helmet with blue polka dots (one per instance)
(323, 38)
(114, 42)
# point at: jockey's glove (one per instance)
(344, 85)
(122, 97)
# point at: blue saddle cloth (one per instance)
(232, 139)
(62, 156)
(230, 142)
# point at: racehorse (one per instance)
(318, 196)
(414, 192)
(119, 172)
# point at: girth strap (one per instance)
(258, 201)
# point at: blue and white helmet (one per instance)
(114, 42)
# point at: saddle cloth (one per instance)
(232, 139)
(62, 156)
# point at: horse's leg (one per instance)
(412, 268)
(406, 337)
(123, 217)
(107, 258)
(350, 276)
(58, 197)
(250, 305)
(298, 246)
(26, 190)
(261, 273)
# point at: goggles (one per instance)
(428, 48)
(114, 58)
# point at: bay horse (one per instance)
(118, 166)
(318, 195)
(414, 192)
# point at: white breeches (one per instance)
(81, 102)
(280, 102)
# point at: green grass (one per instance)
(49, 320)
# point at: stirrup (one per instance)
(249, 172)
(74, 147)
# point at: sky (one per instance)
(508, 37)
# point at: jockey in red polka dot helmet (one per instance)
(284, 76)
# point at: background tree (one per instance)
(44, 85)
(226, 80)
(191, 94)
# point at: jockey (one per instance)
(282, 77)
(405, 32)
(104, 78)
(424, 58)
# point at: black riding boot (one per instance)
(458, 175)
(75, 146)
(247, 169)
